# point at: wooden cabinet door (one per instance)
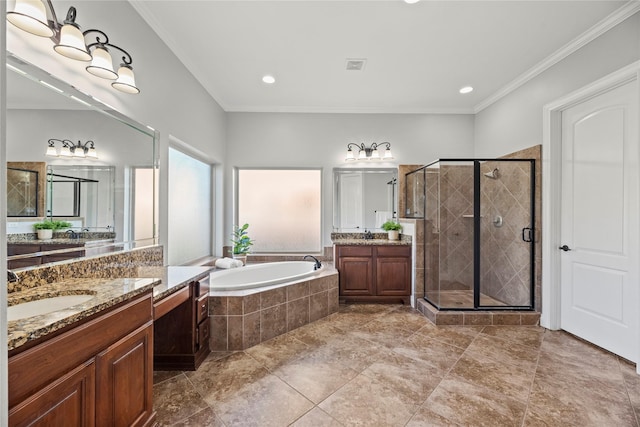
(124, 380)
(356, 276)
(393, 276)
(69, 401)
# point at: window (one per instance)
(283, 209)
(190, 208)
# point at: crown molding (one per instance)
(344, 110)
(615, 18)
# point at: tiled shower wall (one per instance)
(505, 266)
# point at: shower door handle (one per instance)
(526, 234)
(565, 248)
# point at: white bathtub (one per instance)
(259, 275)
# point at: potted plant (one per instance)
(241, 243)
(46, 228)
(393, 230)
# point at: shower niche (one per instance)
(479, 232)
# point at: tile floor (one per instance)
(381, 365)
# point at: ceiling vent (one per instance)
(356, 64)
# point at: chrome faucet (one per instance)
(317, 265)
(11, 276)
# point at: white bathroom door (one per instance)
(599, 226)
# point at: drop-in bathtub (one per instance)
(259, 275)
(252, 304)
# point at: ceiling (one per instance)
(417, 55)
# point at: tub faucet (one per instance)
(11, 276)
(317, 265)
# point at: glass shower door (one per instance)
(505, 247)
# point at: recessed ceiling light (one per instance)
(411, 1)
(466, 89)
(268, 79)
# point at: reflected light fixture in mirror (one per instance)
(70, 150)
(31, 16)
(368, 153)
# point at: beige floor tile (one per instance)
(522, 335)
(413, 378)
(316, 376)
(176, 399)
(435, 353)
(160, 376)
(554, 403)
(204, 418)
(220, 379)
(504, 351)
(427, 418)
(278, 351)
(267, 401)
(504, 378)
(316, 418)
(381, 333)
(367, 402)
(458, 336)
(471, 405)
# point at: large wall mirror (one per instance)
(110, 201)
(363, 199)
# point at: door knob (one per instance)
(565, 248)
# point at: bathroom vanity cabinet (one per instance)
(182, 328)
(98, 372)
(374, 273)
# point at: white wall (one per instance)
(171, 100)
(320, 140)
(515, 121)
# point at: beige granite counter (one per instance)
(108, 292)
(371, 242)
(173, 278)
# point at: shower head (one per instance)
(494, 174)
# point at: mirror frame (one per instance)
(336, 202)
(32, 72)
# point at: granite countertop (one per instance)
(371, 242)
(108, 292)
(173, 278)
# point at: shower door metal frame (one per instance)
(477, 236)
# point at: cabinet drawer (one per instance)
(203, 334)
(202, 308)
(399, 251)
(355, 251)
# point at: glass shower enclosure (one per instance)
(479, 232)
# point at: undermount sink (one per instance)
(44, 306)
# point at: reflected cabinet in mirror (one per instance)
(109, 198)
(363, 199)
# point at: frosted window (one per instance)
(144, 212)
(190, 218)
(283, 209)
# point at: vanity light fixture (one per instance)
(71, 150)
(38, 17)
(368, 153)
